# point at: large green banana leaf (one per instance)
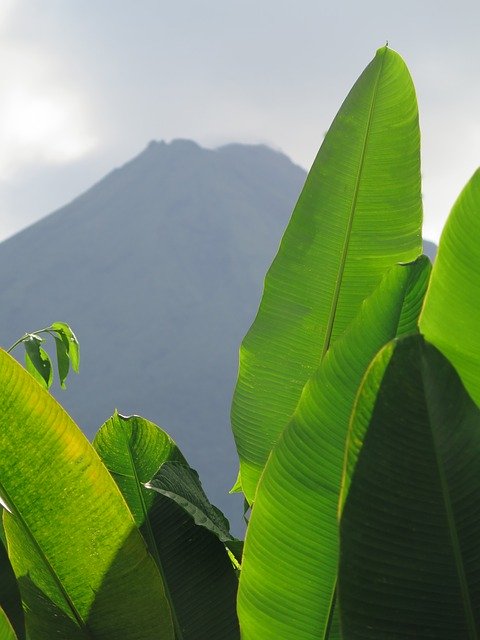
(10, 599)
(409, 562)
(83, 568)
(289, 568)
(6, 629)
(358, 214)
(451, 316)
(200, 580)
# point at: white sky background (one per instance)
(85, 85)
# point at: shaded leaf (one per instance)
(201, 581)
(409, 564)
(37, 361)
(180, 483)
(63, 361)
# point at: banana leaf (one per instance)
(82, 566)
(6, 630)
(200, 580)
(451, 316)
(289, 570)
(359, 213)
(409, 561)
(10, 599)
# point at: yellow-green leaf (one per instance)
(289, 568)
(358, 214)
(6, 629)
(82, 565)
(451, 316)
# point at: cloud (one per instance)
(89, 88)
(44, 119)
(5, 12)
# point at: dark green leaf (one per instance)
(409, 563)
(63, 361)
(71, 342)
(199, 575)
(180, 483)
(37, 361)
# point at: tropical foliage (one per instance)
(37, 360)
(357, 422)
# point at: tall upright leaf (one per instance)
(289, 569)
(358, 214)
(82, 565)
(451, 316)
(200, 580)
(409, 562)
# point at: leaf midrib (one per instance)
(152, 545)
(16, 514)
(348, 231)
(191, 511)
(331, 612)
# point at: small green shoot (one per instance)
(37, 360)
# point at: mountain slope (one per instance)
(159, 269)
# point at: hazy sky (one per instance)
(86, 84)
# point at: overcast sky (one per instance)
(86, 84)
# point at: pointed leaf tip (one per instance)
(358, 214)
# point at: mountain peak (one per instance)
(176, 143)
(231, 149)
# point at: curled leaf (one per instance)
(70, 340)
(37, 360)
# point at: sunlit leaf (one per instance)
(82, 566)
(358, 214)
(451, 316)
(71, 340)
(289, 568)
